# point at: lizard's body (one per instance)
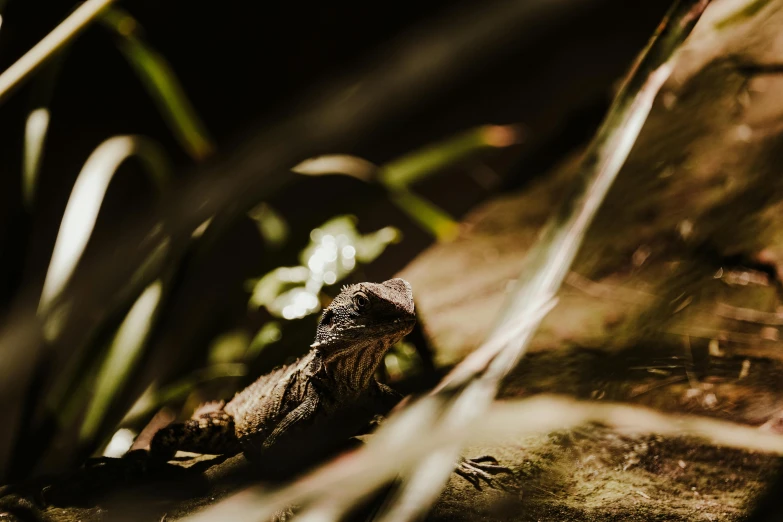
(296, 415)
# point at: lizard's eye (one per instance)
(361, 301)
(328, 318)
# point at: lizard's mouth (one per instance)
(357, 336)
(398, 322)
(382, 327)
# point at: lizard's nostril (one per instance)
(328, 318)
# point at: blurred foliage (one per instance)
(98, 374)
(153, 398)
(270, 333)
(85, 201)
(160, 81)
(122, 356)
(37, 125)
(397, 176)
(418, 165)
(334, 250)
(35, 130)
(271, 225)
(742, 14)
(402, 360)
(229, 347)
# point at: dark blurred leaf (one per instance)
(161, 83)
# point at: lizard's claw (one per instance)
(481, 469)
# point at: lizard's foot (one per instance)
(481, 469)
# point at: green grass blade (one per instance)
(344, 164)
(37, 126)
(85, 201)
(35, 129)
(741, 14)
(68, 29)
(161, 83)
(430, 160)
(2, 8)
(272, 227)
(427, 215)
(397, 176)
(153, 400)
(124, 351)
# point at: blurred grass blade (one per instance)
(741, 14)
(161, 83)
(50, 44)
(37, 125)
(272, 227)
(124, 351)
(266, 335)
(430, 160)
(397, 176)
(413, 502)
(83, 206)
(344, 164)
(153, 400)
(35, 129)
(418, 165)
(428, 216)
(548, 262)
(2, 8)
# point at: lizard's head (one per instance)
(366, 314)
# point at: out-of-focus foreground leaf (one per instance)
(77, 225)
(121, 357)
(85, 202)
(397, 176)
(53, 42)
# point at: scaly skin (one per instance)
(299, 414)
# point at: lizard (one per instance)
(301, 413)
